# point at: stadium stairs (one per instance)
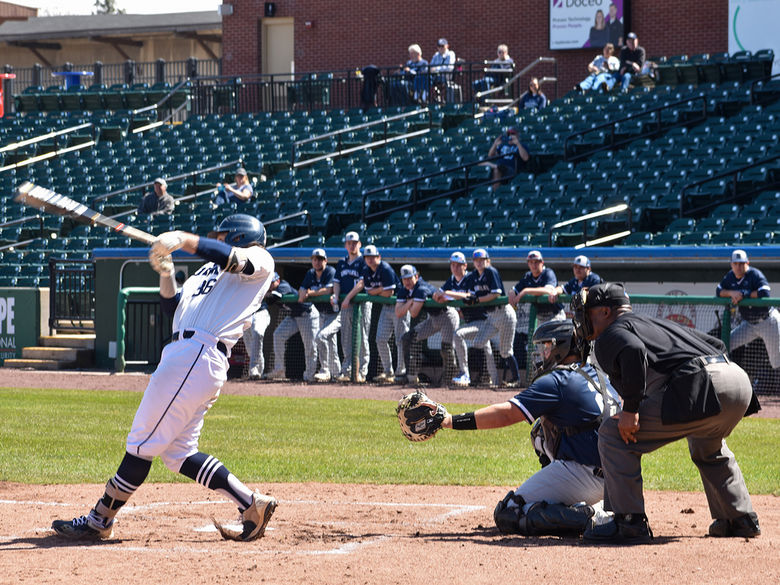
(57, 352)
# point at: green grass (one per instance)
(56, 436)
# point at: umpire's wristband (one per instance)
(464, 422)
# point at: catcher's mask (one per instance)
(553, 342)
(606, 294)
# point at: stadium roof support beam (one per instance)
(36, 46)
(202, 40)
(117, 43)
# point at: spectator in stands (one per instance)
(494, 70)
(614, 26)
(745, 282)
(348, 272)
(584, 277)
(441, 66)
(239, 191)
(510, 149)
(599, 33)
(159, 202)
(603, 70)
(533, 98)
(412, 79)
(380, 280)
(255, 333)
(632, 60)
(410, 300)
(303, 318)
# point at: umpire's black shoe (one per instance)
(745, 526)
(622, 529)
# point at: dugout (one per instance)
(647, 270)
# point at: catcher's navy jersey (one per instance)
(325, 280)
(421, 292)
(754, 280)
(348, 273)
(546, 278)
(567, 399)
(384, 277)
(574, 286)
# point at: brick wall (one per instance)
(354, 33)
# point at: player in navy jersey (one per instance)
(347, 275)
(584, 277)
(568, 400)
(746, 282)
(318, 282)
(410, 299)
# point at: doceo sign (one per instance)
(7, 328)
(575, 24)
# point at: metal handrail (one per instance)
(612, 123)
(516, 76)
(587, 216)
(305, 213)
(156, 107)
(341, 151)
(46, 155)
(43, 137)
(734, 173)
(515, 101)
(756, 82)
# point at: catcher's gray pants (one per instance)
(446, 322)
(479, 333)
(563, 482)
(306, 325)
(768, 330)
(389, 324)
(253, 339)
(724, 485)
(327, 346)
(346, 338)
(504, 319)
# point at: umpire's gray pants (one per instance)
(724, 485)
(504, 319)
(306, 325)
(389, 324)
(327, 346)
(479, 333)
(346, 338)
(253, 339)
(768, 330)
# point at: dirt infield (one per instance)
(362, 534)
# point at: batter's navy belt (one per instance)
(188, 333)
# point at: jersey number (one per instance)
(205, 287)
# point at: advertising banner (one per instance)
(579, 24)
(753, 26)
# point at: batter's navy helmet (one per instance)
(242, 230)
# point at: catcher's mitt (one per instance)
(419, 416)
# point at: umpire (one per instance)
(675, 382)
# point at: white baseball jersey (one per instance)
(222, 303)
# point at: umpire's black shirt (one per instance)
(634, 344)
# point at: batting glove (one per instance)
(167, 243)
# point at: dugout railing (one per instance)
(712, 315)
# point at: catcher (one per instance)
(568, 401)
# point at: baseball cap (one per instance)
(458, 257)
(480, 253)
(241, 171)
(631, 35)
(607, 294)
(276, 277)
(408, 271)
(370, 251)
(161, 181)
(352, 237)
(443, 42)
(534, 255)
(582, 261)
(319, 253)
(739, 256)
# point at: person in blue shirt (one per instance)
(584, 277)
(568, 400)
(379, 279)
(533, 98)
(746, 282)
(410, 299)
(510, 149)
(303, 318)
(347, 275)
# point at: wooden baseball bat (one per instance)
(52, 202)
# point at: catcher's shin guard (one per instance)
(555, 519)
(508, 512)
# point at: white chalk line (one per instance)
(344, 549)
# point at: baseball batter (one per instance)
(211, 311)
(745, 282)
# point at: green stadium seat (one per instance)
(50, 99)
(28, 100)
(71, 98)
(114, 97)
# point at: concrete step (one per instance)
(76, 340)
(67, 355)
(37, 364)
